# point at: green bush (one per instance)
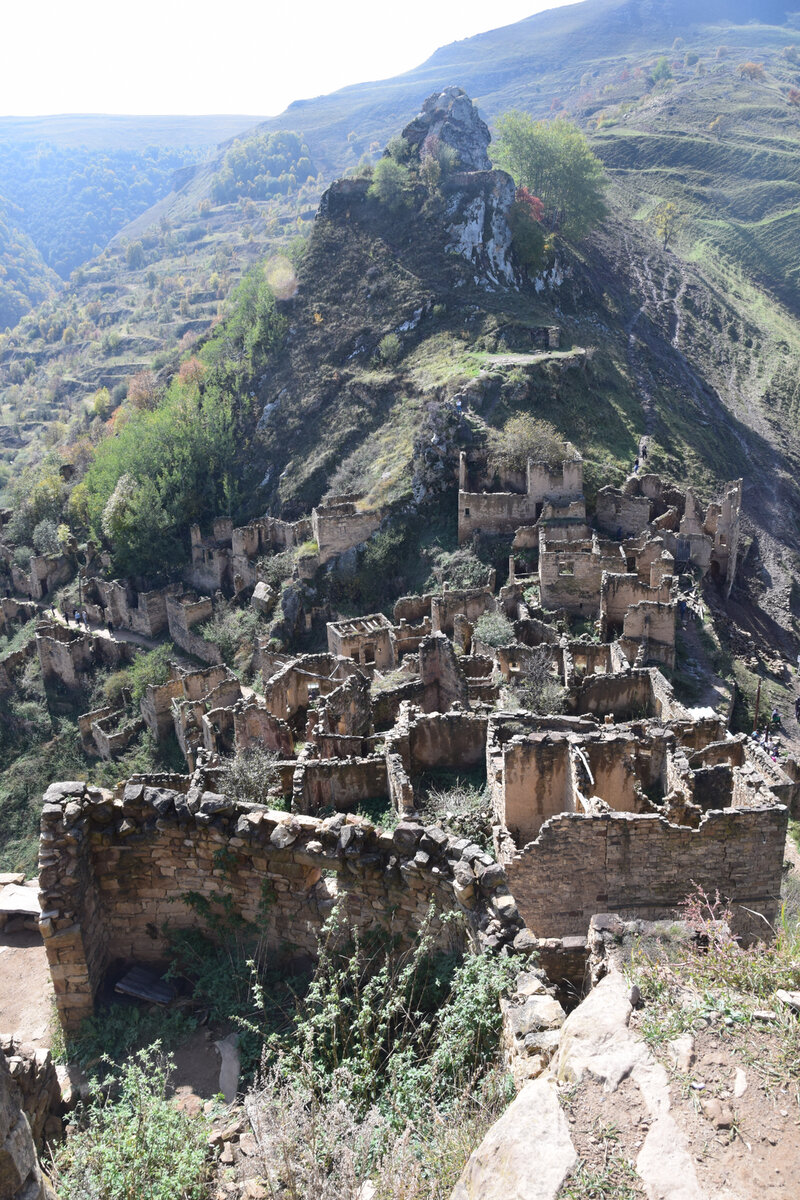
(390, 184)
(389, 348)
(137, 1145)
(249, 775)
(231, 630)
(494, 629)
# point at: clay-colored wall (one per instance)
(536, 784)
(338, 528)
(112, 874)
(642, 866)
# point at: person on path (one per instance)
(797, 709)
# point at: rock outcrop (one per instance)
(450, 117)
(20, 1174)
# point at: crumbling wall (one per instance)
(441, 677)
(20, 1174)
(112, 874)
(621, 515)
(67, 655)
(367, 640)
(339, 783)
(642, 866)
(337, 527)
(470, 602)
(618, 593)
(183, 612)
(141, 612)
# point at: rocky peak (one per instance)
(452, 118)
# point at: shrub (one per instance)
(389, 348)
(231, 629)
(525, 437)
(494, 629)
(274, 568)
(45, 537)
(459, 568)
(390, 184)
(150, 667)
(249, 775)
(138, 1144)
(536, 689)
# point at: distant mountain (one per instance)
(25, 279)
(76, 180)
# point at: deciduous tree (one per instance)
(552, 159)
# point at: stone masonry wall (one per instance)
(642, 866)
(113, 873)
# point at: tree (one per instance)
(389, 183)
(527, 235)
(143, 390)
(662, 71)
(134, 256)
(552, 159)
(525, 437)
(751, 70)
(666, 221)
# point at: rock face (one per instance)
(20, 1176)
(526, 1155)
(451, 117)
(478, 203)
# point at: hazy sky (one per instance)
(231, 56)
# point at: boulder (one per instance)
(527, 1153)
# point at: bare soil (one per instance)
(26, 991)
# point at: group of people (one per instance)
(640, 459)
(79, 616)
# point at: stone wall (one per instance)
(67, 655)
(182, 613)
(342, 783)
(141, 612)
(643, 866)
(339, 527)
(113, 873)
(620, 515)
(619, 592)
(34, 1075)
(367, 640)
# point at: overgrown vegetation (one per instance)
(137, 1143)
(494, 629)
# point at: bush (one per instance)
(231, 629)
(494, 629)
(274, 568)
(525, 437)
(537, 689)
(390, 184)
(151, 667)
(459, 568)
(389, 348)
(136, 1145)
(45, 537)
(249, 775)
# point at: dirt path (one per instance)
(26, 991)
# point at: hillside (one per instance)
(75, 181)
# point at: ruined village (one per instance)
(616, 806)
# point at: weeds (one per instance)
(138, 1144)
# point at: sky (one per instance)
(232, 56)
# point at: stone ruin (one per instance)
(617, 806)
